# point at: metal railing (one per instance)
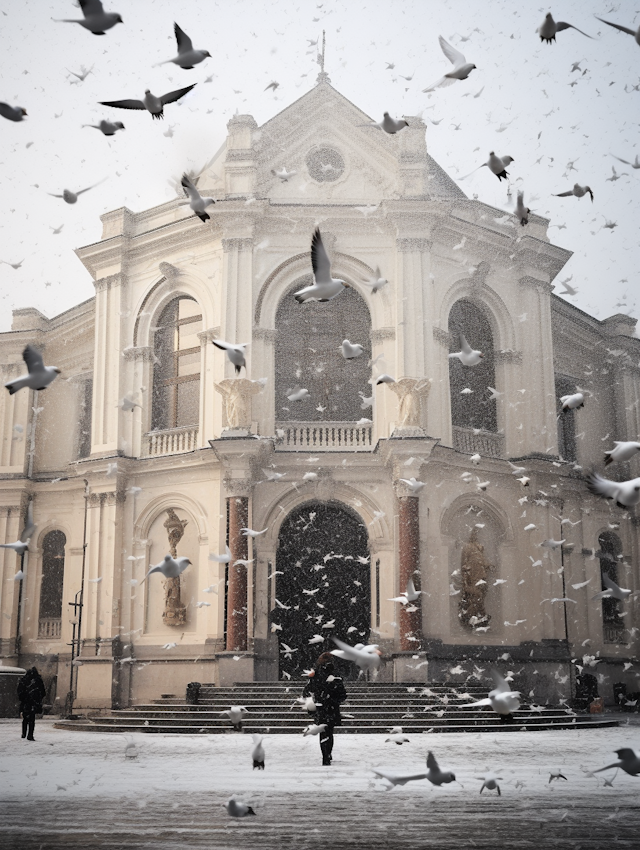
(50, 628)
(325, 436)
(484, 443)
(171, 442)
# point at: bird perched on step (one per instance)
(629, 761)
(490, 782)
(237, 809)
(154, 105)
(169, 567)
(130, 751)
(626, 494)
(257, 753)
(548, 29)
(235, 353)
(95, 19)
(196, 202)
(578, 191)
(187, 57)
(366, 657)
(612, 590)
(235, 715)
(622, 452)
(324, 287)
(502, 699)
(467, 355)
(39, 377)
(21, 545)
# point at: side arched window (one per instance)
(471, 402)
(176, 373)
(51, 585)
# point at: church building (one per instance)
(148, 443)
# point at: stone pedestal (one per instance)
(409, 561)
(238, 513)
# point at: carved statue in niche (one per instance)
(475, 569)
(175, 613)
(237, 393)
(412, 392)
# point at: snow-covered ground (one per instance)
(78, 790)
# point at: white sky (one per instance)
(526, 86)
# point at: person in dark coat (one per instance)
(328, 693)
(31, 692)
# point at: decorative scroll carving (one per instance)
(140, 352)
(237, 243)
(175, 613)
(475, 569)
(208, 335)
(110, 282)
(240, 154)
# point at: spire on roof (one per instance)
(323, 77)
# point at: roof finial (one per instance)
(323, 77)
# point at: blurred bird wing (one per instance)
(91, 7)
(124, 104)
(564, 194)
(485, 701)
(349, 652)
(33, 359)
(603, 486)
(627, 753)
(442, 82)
(454, 56)
(432, 764)
(320, 259)
(172, 96)
(225, 346)
(466, 348)
(618, 27)
(562, 25)
(185, 45)
(189, 188)
(502, 686)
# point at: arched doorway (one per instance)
(324, 560)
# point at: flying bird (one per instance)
(96, 20)
(502, 699)
(366, 657)
(635, 163)
(626, 494)
(107, 128)
(490, 782)
(71, 197)
(283, 174)
(196, 202)
(222, 559)
(496, 164)
(273, 85)
(235, 715)
(521, 211)
(12, 113)
(154, 105)
(350, 350)
(635, 33)
(572, 402)
(410, 595)
(237, 809)
(548, 29)
(297, 393)
(169, 567)
(390, 125)
(187, 57)
(314, 729)
(413, 484)
(622, 452)
(376, 282)
(249, 532)
(435, 775)
(235, 353)
(324, 287)
(612, 590)
(39, 377)
(399, 778)
(22, 544)
(629, 761)
(461, 68)
(467, 355)
(578, 191)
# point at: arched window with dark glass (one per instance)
(176, 373)
(50, 612)
(308, 356)
(471, 403)
(566, 419)
(610, 550)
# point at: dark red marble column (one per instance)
(238, 512)
(409, 560)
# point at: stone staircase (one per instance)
(372, 708)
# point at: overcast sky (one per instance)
(532, 106)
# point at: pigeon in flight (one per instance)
(21, 545)
(283, 174)
(107, 128)
(467, 356)
(612, 591)
(222, 559)
(314, 729)
(12, 113)
(297, 393)
(196, 202)
(376, 282)
(578, 191)
(154, 105)
(548, 29)
(366, 657)
(13, 265)
(522, 212)
(235, 353)
(273, 85)
(390, 125)
(502, 699)
(634, 164)
(622, 452)
(626, 494)
(237, 809)
(572, 402)
(414, 486)
(410, 595)
(629, 762)
(187, 57)
(39, 377)
(350, 350)
(635, 33)
(435, 775)
(461, 68)
(96, 20)
(71, 197)
(399, 778)
(385, 379)
(169, 567)
(249, 532)
(496, 164)
(324, 287)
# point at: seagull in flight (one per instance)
(71, 197)
(548, 29)
(39, 377)
(324, 287)
(635, 33)
(578, 191)
(96, 20)
(196, 202)
(154, 105)
(461, 68)
(187, 57)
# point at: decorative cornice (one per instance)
(535, 283)
(409, 245)
(6, 510)
(442, 337)
(141, 352)
(111, 281)
(240, 154)
(380, 334)
(269, 335)
(237, 243)
(209, 335)
(507, 356)
(238, 486)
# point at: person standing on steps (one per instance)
(328, 693)
(31, 692)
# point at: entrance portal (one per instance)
(323, 555)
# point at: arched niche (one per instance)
(471, 403)
(307, 354)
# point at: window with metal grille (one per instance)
(474, 409)
(52, 576)
(566, 419)
(176, 374)
(610, 549)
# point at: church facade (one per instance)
(148, 443)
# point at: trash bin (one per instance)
(193, 693)
(9, 702)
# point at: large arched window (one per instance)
(610, 551)
(308, 355)
(176, 373)
(50, 613)
(471, 403)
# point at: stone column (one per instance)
(409, 561)
(238, 514)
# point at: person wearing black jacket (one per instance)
(31, 692)
(328, 693)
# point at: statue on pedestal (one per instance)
(237, 393)
(475, 569)
(175, 613)
(412, 393)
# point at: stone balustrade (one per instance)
(170, 442)
(325, 436)
(49, 628)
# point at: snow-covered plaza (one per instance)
(74, 789)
